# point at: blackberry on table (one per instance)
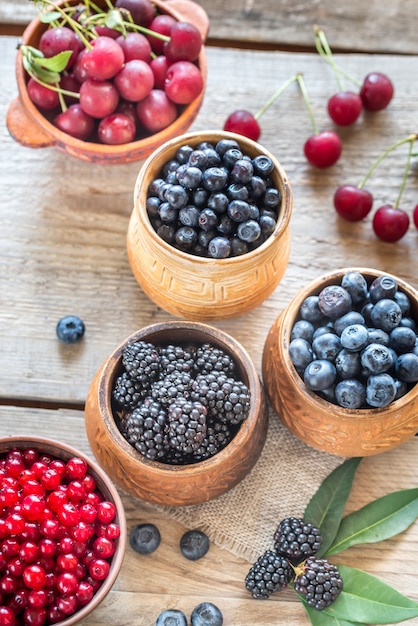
(186, 424)
(270, 573)
(297, 539)
(142, 362)
(319, 581)
(146, 429)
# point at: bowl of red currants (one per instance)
(209, 234)
(177, 415)
(63, 532)
(109, 82)
(340, 363)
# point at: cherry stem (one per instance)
(74, 25)
(406, 172)
(55, 87)
(274, 97)
(324, 50)
(411, 139)
(304, 91)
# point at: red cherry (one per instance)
(104, 60)
(135, 80)
(116, 129)
(323, 149)
(390, 224)
(156, 111)
(184, 44)
(344, 107)
(243, 123)
(161, 24)
(44, 98)
(142, 11)
(415, 216)
(376, 92)
(159, 67)
(352, 203)
(183, 82)
(60, 39)
(135, 46)
(98, 98)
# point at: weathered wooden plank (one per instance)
(378, 27)
(64, 222)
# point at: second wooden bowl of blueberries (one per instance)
(209, 234)
(176, 415)
(340, 363)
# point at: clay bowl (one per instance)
(162, 483)
(29, 127)
(318, 422)
(197, 287)
(104, 486)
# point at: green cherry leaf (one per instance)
(49, 16)
(381, 519)
(368, 600)
(319, 618)
(114, 19)
(57, 63)
(326, 507)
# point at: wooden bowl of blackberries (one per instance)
(340, 363)
(64, 519)
(109, 82)
(209, 234)
(176, 415)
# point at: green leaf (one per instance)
(383, 518)
(368, 600)
(57, 63)
(319, 618)
(114, 20)
(326, 507)
(49, 16)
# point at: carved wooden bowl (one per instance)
(320, 423)
(104, 485)
(197, 287)
(31, 128)
(162, 483)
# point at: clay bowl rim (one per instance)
(153, 164)
(98, 150)
(173, 331)
(65, 451)
(313, 288)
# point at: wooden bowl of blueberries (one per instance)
(177, 415)
(340, 363)
(209, 234)
(110, 94)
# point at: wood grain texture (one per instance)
(148, 584)
(389, 26)
(64, 222)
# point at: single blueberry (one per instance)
(323, 330)
(194, 544)
(144, 538)
(409, 322)
(356, 285)
(242, 171)
(208, 219)
(190, 177)
(238, 246)
(218, 202)
(406, 367)
(256, 187)
(380, 390)
(177, 196)
(70, 329)
(167, 213)
(382, 287)
(249, 231)
(215, 178)
(320, 374)
(226, 144)
(171, 617)
(267, 224)
(213, 157)
(386, 314)
(402, 339)
(326, 346)
(206, 614)
(230, 156)
(238, 210)
(189, 216)
(183, 153)
(348, 364)
(186, 237)
(302, 329)
(402, 299)
(376, 358)
(334, 301)
(200, 197)
(219, 248)
(237, 191)
(354, 337)
(350, 393)
(272, 198)
(263, 165)
(377, 335)
(198, 158)
(309, 310)
(300, 353)
(352, 317)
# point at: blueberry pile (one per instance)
(178, 404)
(356, 343)
(214, 200)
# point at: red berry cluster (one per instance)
(114, 84)
(57, 535)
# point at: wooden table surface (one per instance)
(63, 225)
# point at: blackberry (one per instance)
(142, 362)
(171, 386)
(127, 393)
(176, 359)
(208, 359)
(186, 425)
(319, 582)
(146, 429)
(271, 572)
(217, 437)
(296, 539)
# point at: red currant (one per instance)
(390, 224)
(99, 569)
(323, 149)
(7, 616)
(34, 576)
(106, 512)
(345, 107)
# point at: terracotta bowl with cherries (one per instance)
(176, 415)
(340, 363)
(110, 82)
(69, 521)
(209, 234)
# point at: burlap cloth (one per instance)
(280, 484)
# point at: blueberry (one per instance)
(144, 538)
(386, 314)
(189, 216)
(70, 329)
(238, 210)
(348, 364)
(200, 197)
(230, 156)
(406, 367)
(267, 224)
(272, 197)
(208, 219)
(206, 614)
(212, 157)
(219, 248)
(214, 178)
(177, 196)
(354, 337)
(218, 202)
(167, 233)
(319, 374)
(380, 390)
(152, 204)
(256, 187)
(334, 301)
(194, 544)
(376, 358)
(167, 213)
(242, 171)
(249, 231)
(186, 237)
(300, 353)
(350, 393)
(402, 299)
(226, 144)
(263, 165)
(377, 335)
(302, 329)
(189, 177)
(171, 617)
(183, 153)
(309, 310)
(198, 158)
(382, 287)
(356, 285)
(352, 317)
(326, 346)
(409, 323)
(238, 246)
(402, 339)
(237, 191)
(323, 330)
